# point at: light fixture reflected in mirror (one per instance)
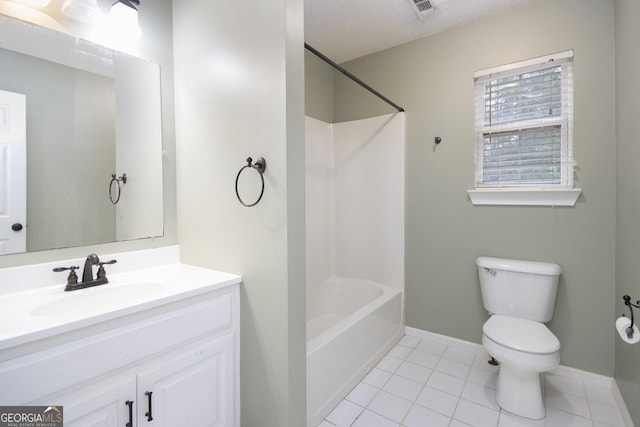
(85, 11)
(124, 17)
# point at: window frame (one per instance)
(556, 194)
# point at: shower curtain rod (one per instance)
(352, 77)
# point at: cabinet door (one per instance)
(99, 405)
(196, 388)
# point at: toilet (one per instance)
(520, 297)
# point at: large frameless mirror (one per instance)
(80, 142)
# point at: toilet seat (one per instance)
(521, 334)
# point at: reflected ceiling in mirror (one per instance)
(91, 113)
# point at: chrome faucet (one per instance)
(87, 274)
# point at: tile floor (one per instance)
(424, 383)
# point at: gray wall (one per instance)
(239, 93)
(432, 79)
(627, 371)
(318, 86)
(156, 23)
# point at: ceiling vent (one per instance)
(422, 7)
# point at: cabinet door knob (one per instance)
(129, 403)
(149, 413)
(16, 227)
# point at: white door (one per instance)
(13, 173)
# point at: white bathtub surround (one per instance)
(355, 252)
(431, 380)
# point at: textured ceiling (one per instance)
(348, 29)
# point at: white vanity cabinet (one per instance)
(171, 365)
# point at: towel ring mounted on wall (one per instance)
(115, 199)
(260, 165)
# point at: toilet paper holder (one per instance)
(628, 303)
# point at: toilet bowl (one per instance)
(525, 349)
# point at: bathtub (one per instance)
(351, 325)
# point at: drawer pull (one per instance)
(129, 403)
(148, 414)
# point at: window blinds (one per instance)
(524, 123)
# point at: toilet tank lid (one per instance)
(520, 266)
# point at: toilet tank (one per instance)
(524, 289)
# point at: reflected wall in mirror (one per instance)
(90, 112)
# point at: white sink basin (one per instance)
(43, 311)
(96, 299)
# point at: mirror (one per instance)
(92, 115)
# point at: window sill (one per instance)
(525, 196)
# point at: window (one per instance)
(524, 131)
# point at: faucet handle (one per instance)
(72, 279)
(101, 272)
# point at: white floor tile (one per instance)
(567, 403)
(362, 394)
(423, 359)
(389, 363)
(370, 419)
(453, 368)
(377, 377)
(484, 396)
(409, 341)
(389, 406)
(431, 347)
(510, 420)
(403, 387)
(483, 377)
(423, 417)
(414, 372)
(438, 401)
(344, 414)
(411, 393)
(565, 385)
(599, 394)
(606, 414)
(446, 383)
(459, 354)
(400, 351)
(476, 415)
(557, 418)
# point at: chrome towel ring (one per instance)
(115, 199)
(260, 165)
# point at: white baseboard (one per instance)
(563, 371)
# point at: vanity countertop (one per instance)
(45, 311)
